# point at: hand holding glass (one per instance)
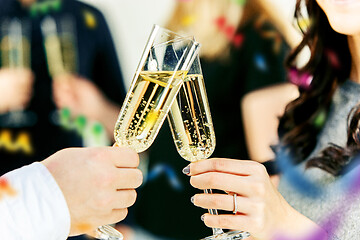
(162, 69)
(193, 132)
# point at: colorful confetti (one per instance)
(300, 79)
(270, 34)
(260, 62)
(230, 31)
(21, 144)
(333, 58)
(6, 189)
(240, 2)
(90, 20)
(188, 20)
(161, 168)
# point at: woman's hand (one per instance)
(261, 210)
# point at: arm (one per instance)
(261, 110)
(70, 193)
(278, 16)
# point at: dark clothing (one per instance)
(96, 61)
(163, 206)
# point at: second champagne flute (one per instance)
(160, 74)
(193, 132)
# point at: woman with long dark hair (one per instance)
(319, 139)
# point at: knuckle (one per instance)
(103, 202)
(223, 221)
(105, 180)
(259, 188)
(214, 202)
(218, 164)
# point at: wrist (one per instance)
(297, 226)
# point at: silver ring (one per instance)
(235, 203)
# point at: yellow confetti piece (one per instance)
(188, 20)
(90, 19)
(304, 23)
(21, 144)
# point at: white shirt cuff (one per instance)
(38, 210)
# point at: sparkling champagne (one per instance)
(145, 108)
(190, 120)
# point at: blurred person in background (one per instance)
(94, 89)
(317, 145)
(88, 84)
(241, 51)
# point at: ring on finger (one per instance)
(235, 203)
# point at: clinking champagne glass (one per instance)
(160, 74)
(193, 132)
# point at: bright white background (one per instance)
(131, 21)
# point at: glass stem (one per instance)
(216, 231)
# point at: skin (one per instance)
(15, 88)
(98, 184)
(83, 97)
(262, 210)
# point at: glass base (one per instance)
(108, 233)
(234, 235)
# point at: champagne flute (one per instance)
(160, 74)
(193, 132)
(15, 54)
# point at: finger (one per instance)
(116, 215)
(229, 221)
(238, 167)
(123, 199)
(223, 181)
(128, 178)
(223, 202)
(125, 157)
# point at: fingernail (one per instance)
(192, 199)
(186, 170)
(202, 217)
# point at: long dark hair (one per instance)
(298, 127)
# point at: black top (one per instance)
(96, 61)
(163, 206)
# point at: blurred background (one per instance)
(131, 22)
(66, 66)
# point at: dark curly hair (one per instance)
(298, 129)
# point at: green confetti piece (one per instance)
(56, 5)
(33, 10)
(65, 113)
(44, 7)
(320, 119)
(240, 2)
(97, 129)
(65, 117)
(80, 123)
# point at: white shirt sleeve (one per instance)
(34, 207)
